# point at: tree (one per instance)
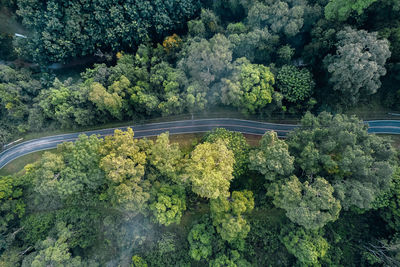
(285, 54)
(272, 158)
(342, 9)
(209, 170)
(226, 214)
(231, 259)
(250, 87)
(201, 238)
(278, 16)
(310, 205)
(169, 83)
(256, 45)
(166, 157)
(12, 208)
(123, 160)
(67, 104)
(206, 26)
(104, 100)
(236, 143)
(339, 148)
(168, 204)
(55, 251)
(61, 32)
(72, 172)
(358, 64)
(207, 61)
(307, 246)
(296, 85)
(196, 97)
(391, 214)
(18, 88)
(138, 261)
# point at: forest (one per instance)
(326, 195)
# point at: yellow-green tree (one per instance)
(209, 170)
(124, 162)
(249, 88)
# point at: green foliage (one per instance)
(233, 259)
(358, 64)
(256, 45)
(307, 246)
(393, 36)
(207, 61)
(310, 205)
(166, 157)
(104, 100)
(201, 238)
(341, 10)
(272, 158)
(339, 149)
(285, 54)
(263, 246)
(235, 142)
(278, 16)
(226, 214)
(296, 85)
(168, 204)
(6, 46)
(36, 227)
(250, 89)
(85, 225)
(207, 26)
(55, 251)
(64, 31)
(391, 214)
(122, 201)
(124, 162)
(17, 90)
(209, 170)
(12, 207)
(138, 262)
(67, 104)
(71, 172)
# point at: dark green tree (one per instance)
(295, 84)
(311, 205)
(339, 148)
(358, 64)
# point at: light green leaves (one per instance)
(209, 170)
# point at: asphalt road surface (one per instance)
(178, 127)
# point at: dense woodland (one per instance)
(327, 195)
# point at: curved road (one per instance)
(177, 127)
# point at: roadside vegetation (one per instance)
(328, 195)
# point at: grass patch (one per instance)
(17, 165)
